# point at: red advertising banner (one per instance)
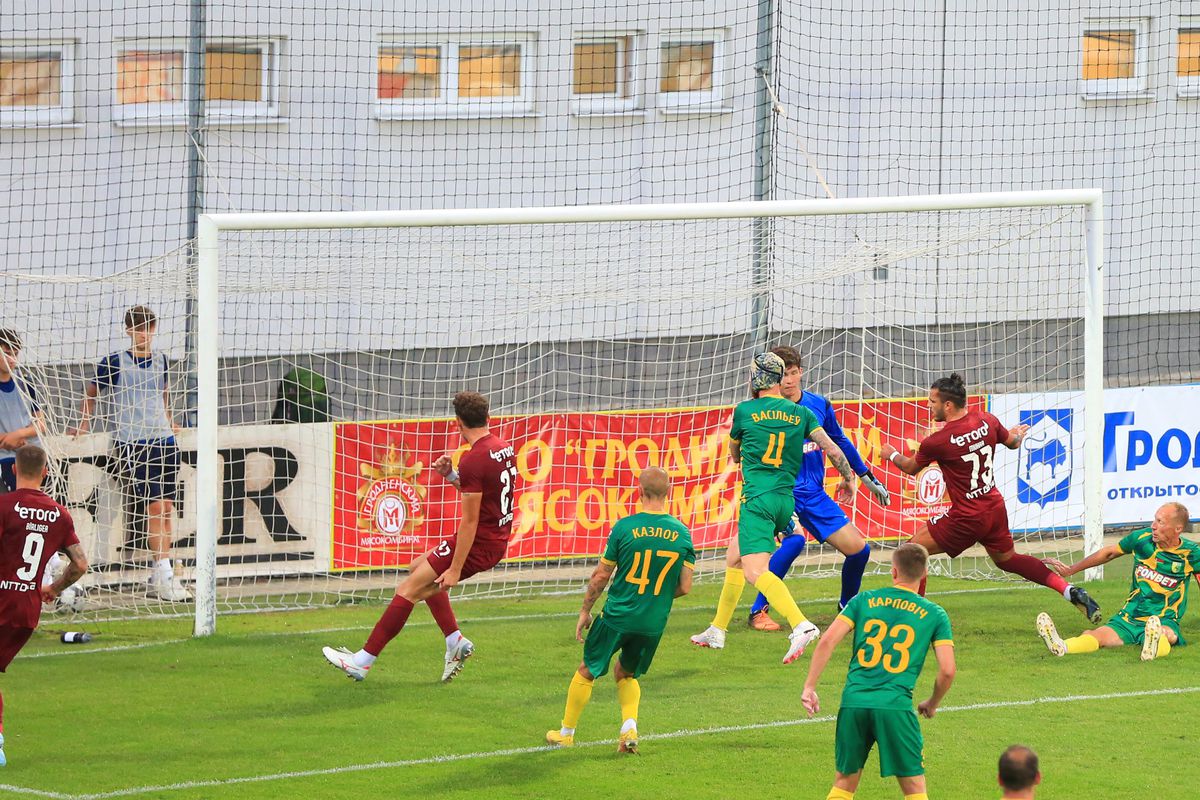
(578, 475)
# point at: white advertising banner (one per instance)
(1151, 455)
(276, 507)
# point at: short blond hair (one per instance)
(911, 561)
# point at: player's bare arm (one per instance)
(735, 451)
(1101, 556)
(471, 502)
(86, 409)
(445, 467)
(1016, 435)
(820, 659)
(685, 581)
(840, 463)
(77, 565)
(941, 685)
(596, 586)
(904, 463)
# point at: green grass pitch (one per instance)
(174, 717)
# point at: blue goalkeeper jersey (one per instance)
(812, 474)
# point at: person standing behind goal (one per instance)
(20, 418)
(134, 383)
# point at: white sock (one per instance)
(566, 731)
(163, 565)
(629, 725)
(1067, 592)
(453, 639)
(363, 659)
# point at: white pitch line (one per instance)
(519, 751)
(427, 623)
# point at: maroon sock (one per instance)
(1034, 571)
(921, 590)
(443, 614)
(389, 625)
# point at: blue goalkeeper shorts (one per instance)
(820, 515)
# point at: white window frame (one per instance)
(175, 112)
(1185, 86)
(591, 105)
(709, 101)
(1136, 87)
(449, 105)
(37, 116)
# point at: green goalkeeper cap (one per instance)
(767, 371)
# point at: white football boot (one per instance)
(343, 659)
(455, 657)
(1049, 634)
(801, 637)
(712, 637)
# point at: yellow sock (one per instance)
(779, 598)
(731, 595)
(839, 794)
(1164, 646)
(577, 697)
(918, 796)
(1083, 643)
(629, 694)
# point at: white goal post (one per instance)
(209, 299)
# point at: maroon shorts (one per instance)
(956, 532)
(11, 641)
(483, 556)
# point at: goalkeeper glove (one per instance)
(876, 488)
(790, 530)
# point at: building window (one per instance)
(603, 74)
(240, 81)
(1115, 61)
(457, 75)
(1187, 69)
(690, 70)
(36, 84)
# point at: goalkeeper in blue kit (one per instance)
(816, 511)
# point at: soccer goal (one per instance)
(310, 360)
(609, 338)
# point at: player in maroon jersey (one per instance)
(964, 449)
(32, 528)
(485, 478)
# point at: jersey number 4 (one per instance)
(896, 657)
(641, 561)
(774, 455)
(35, 543)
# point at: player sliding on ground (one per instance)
(33, 527)
(486, 477)
(893, 630)
(1165, 563)
(767, 436)
(815, 509)
(651, 555)
(964, 449)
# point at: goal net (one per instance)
(605, 338)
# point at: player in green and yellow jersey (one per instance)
(768, 435)
(651, 556)
(1162, 571)
(893, 630)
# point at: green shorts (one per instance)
(760, 519)
(896, 731)
(604, 641)
(1133, 631)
